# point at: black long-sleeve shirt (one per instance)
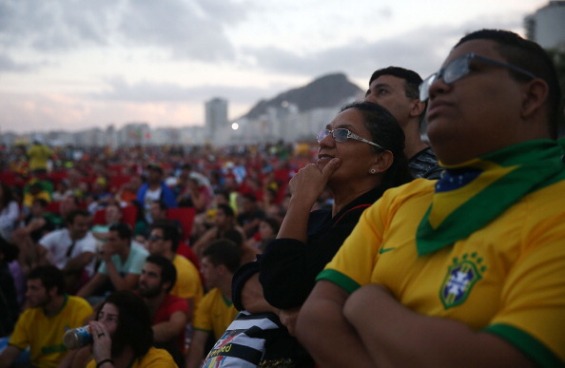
(289, 267)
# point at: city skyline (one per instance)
(72, 65)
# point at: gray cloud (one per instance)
(422, 49)
(7, 64)
(142, 92)
(194, 29)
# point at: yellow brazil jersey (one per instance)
(153, 358)
(44, 335)
(506, 278)
(188, 283)
(214, 313)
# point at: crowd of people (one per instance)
(362, 251)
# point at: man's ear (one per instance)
(417, 107)
(534, 97)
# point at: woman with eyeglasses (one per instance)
(360, 155)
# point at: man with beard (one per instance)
(42, 326)
(168, 312)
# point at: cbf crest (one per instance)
(461, 276)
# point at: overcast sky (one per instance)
(75, 64)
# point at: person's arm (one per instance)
(92, 285)
(324, 331)
(196, 352)
(79, 262)
(395, 336)
(127, 282)
(8, 355)
(252, 297)
(165, 331)
(200, 244)
(305, 187)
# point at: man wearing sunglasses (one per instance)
(396, 89)
(468, 270)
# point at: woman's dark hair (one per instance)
(134, 323)
(7, 195)
(386, 132)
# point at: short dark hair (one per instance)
(124, 230)
(228, 211)
(134, 323)
(273, 223)
(386, 132)
(74, 214)
(50, 276)
(235, 236)
(170, 232)
(529, 56)
(168, 270)
(413, 79)
(223, 252)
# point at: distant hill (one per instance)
(327, 91)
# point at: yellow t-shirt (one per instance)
(44, 335)
(38, 156)
(155, 358)
(188, 283)
(507, 278)
(214, 313)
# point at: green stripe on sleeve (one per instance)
(339, 279)
(527, 344)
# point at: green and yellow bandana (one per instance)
(470, 195)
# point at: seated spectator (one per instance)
(120, 269)
(71, 249)
(123, 336)
(224, 221)
(268, 230)
(8, 295)
(216, 311)
(164, 241)
(35, 225)
(250, 214)
(113, 215)
(195, 195)
(33, 191)
(155, 189)
(41, 327)
(9, 211)
(169, 313)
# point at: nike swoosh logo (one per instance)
(385, 250)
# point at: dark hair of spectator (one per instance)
(168, 270)
(134, 323)
(386, 132)
(74, 214)
(227, 210)
(170, 232)
(124, 230)
(223, 252)
(50, 276)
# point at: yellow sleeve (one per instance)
(202, 318)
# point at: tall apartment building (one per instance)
(216, 116)
(547, 25)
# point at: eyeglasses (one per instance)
(341, 135)
(153, 238)
(460, 68)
